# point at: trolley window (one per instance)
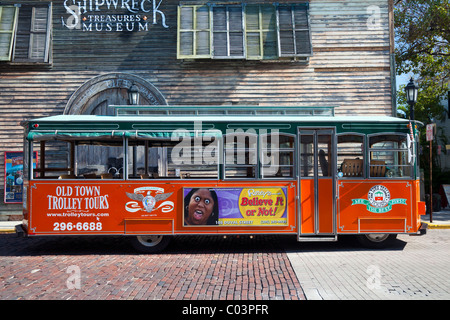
(174, 156)
(53, 159)
(100, 160)
(388, 156)
(277, 155)
(315, 154)
(240, 151)
(350, 155)
(73, 156)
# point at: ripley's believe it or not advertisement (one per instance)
(235, 206)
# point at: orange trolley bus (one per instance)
(154, 172)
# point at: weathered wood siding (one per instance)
(350, 68)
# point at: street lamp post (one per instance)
(133, 95)
(411, 90)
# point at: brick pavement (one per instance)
(197, 268)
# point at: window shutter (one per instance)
(33, 34)
(236, 26)
(194, 32)
(253, 35)
(293, 31)
(269, 32)
(22, 48)
(186, 31)
(228, 33)
(39, 37)
(261, 32)
(8, 20)
(302, 31)
(220, 32)
(203, 31)
(286, 33)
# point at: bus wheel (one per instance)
(376, 240)
(150, 244)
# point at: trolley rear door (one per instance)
(317, 158)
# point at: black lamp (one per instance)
(411, 90)
(133, 95)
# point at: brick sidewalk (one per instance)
(197, 268)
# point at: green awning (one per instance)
(67, 135)
(115, 134)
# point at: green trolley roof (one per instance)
(205, 119)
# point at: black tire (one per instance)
(150, 243)
(376, 240)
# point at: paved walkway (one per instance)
(414, 268)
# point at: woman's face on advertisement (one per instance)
(200, 207)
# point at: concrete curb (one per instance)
(8, 226)
(438, 226)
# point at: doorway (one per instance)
(317, 158)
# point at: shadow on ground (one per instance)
(11, 245)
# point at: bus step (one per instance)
(317, 238)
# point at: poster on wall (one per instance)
(232, 207)
(14, 175)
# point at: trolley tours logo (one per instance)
(379, 200)
(147, 198)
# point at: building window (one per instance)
(243, 31)
(25, 33)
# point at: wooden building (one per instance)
(79, 56)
